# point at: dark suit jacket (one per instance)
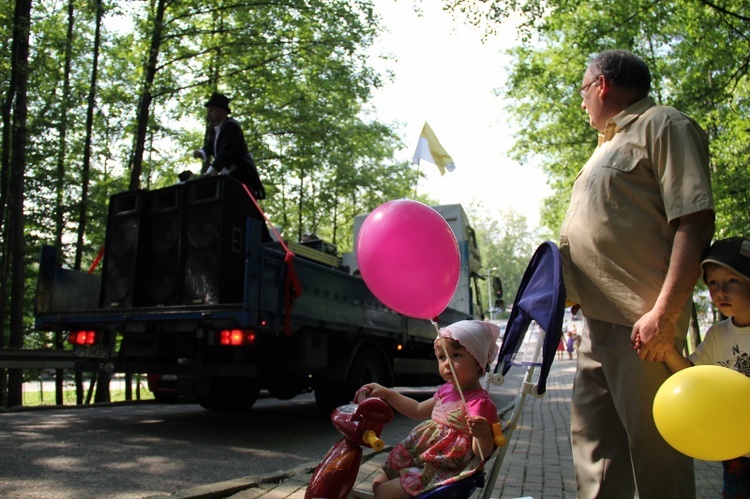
(231, 149)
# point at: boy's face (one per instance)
(730, 293)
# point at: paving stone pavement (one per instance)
(538, 462)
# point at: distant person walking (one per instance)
(570, 344)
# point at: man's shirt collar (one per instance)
(624, 118)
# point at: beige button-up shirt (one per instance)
(650, 168)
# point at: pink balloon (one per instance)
(408, 257)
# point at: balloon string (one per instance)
(458, 385)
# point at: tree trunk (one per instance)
(102, 387)
(128, 386)
(144, 104)
(86, 167)
(60, 180)
(62, 130)
(19, 68)
(59, 373)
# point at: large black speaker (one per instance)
(121, 249)
(216, 210)
(160, 251)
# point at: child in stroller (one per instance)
(454, 442)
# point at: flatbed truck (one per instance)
(193, 288)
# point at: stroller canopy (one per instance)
(540, 298)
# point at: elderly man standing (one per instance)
(226, 144)
(640, 218)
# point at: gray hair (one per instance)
(624, 69)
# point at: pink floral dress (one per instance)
(438, 451)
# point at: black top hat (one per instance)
(219, 100)
(732, 253)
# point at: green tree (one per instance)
(697, 51)
(298, 76)
(13, 230)
(115, 100)
(507, 243)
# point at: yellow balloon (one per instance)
(703, 412)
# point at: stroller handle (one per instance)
(498, 437)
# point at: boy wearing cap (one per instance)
(726, 272)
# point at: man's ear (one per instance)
(604, 86)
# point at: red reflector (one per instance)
(236, 337)
(82, 337)
(225, 337)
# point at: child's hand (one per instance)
(637, 343)
(479, 427)
(484, 440)
(375, 390)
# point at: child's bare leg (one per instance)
(389, 490)
(381, 478)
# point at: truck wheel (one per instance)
(165, 398)
(368, 367)
(230, 394)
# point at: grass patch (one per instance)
(41, 394)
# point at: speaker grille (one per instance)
(161, 248)
(215, 216)
(121, 249)
(182, 244)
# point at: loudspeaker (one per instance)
(121, 249)
(160, 252)
(216, 210)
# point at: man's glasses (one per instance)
(584, 89)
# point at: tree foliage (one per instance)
(507, 245)
(696, 49)
(298, 76)
(119, 105)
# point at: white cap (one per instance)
(479, 338)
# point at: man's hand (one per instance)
(657, 328)
(653, 336)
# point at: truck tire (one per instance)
(165, 398)
(230, 395)
(369, 366)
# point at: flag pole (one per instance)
(416, 181)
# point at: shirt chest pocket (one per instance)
(617, 180)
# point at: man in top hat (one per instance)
(226, 144)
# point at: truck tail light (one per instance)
(82, 337)
(236, 337)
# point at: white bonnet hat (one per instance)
(479, 338)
